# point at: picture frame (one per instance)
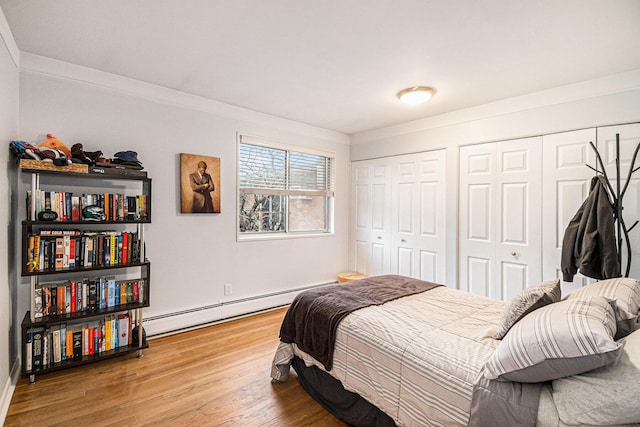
(199, 184)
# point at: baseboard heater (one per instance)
(198, 317)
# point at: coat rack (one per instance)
(618, 195)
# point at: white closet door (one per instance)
(500, 217)
(476, 220)
(518, 216)
(565, 186)
(629, 139)
(418, 216)
(371, 217)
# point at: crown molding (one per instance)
(9, 41)
(36, 64)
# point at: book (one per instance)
(141, 291)
(91, 346)
(36, 253)
(135, 292)
(125, 248)
(71, 262)
(85, 294)
(111, 292)
(46, 301)
(77, 342)
(75, 208)
(92, 297)
(57, 349)
(46, 349)
(30, 253)
(53, 308)
(107, 337)
(123, 329)
(117, 294)
(37, 334)
(63, 341)
(69, 343)
(59, 259)
(38, 310)
(113, 245)
(61, 294)
(29, 351)
(123, 293)
(67, 298)
(74, 296)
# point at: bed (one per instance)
(431, 357)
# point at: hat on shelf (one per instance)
(127, 158)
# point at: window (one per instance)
(283, 190)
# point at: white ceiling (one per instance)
(338, 64)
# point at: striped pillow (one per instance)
(625, 292)
(558, 340)
(525, 302)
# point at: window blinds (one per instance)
(276, 170)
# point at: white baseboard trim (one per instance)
(171, 323)
(7, 392)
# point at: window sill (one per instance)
(280, 236)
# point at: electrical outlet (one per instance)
(228, 288)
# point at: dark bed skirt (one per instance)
(345, 405)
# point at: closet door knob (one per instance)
(514, 254)
(403, 241)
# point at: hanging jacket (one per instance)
(589, 243)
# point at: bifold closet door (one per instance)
(500, 217)
(418, 216)
(565, 185)
(371, 208)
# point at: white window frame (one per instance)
(330, 211)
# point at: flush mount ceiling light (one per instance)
(416, 95)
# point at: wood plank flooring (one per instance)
(214, 376)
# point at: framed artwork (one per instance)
(199, 184)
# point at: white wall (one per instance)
(8, 295)
(605, 101)
(192, 256)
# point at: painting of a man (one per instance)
(202, 186)
(200, 178)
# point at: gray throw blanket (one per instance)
(313, 317)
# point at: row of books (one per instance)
(116, 207)
(86, 295)
(58, 250)
(47, 346)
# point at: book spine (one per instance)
(38, 347)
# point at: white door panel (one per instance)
(429, 266)
(565, 186)
(629, 137)
(418, 216)
(371, 217)
(500, 217)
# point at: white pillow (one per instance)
(626, 293)
(558, 340)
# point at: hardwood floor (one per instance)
(214, 376)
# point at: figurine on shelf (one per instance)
(54, 150)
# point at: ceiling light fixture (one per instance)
(416, 95)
